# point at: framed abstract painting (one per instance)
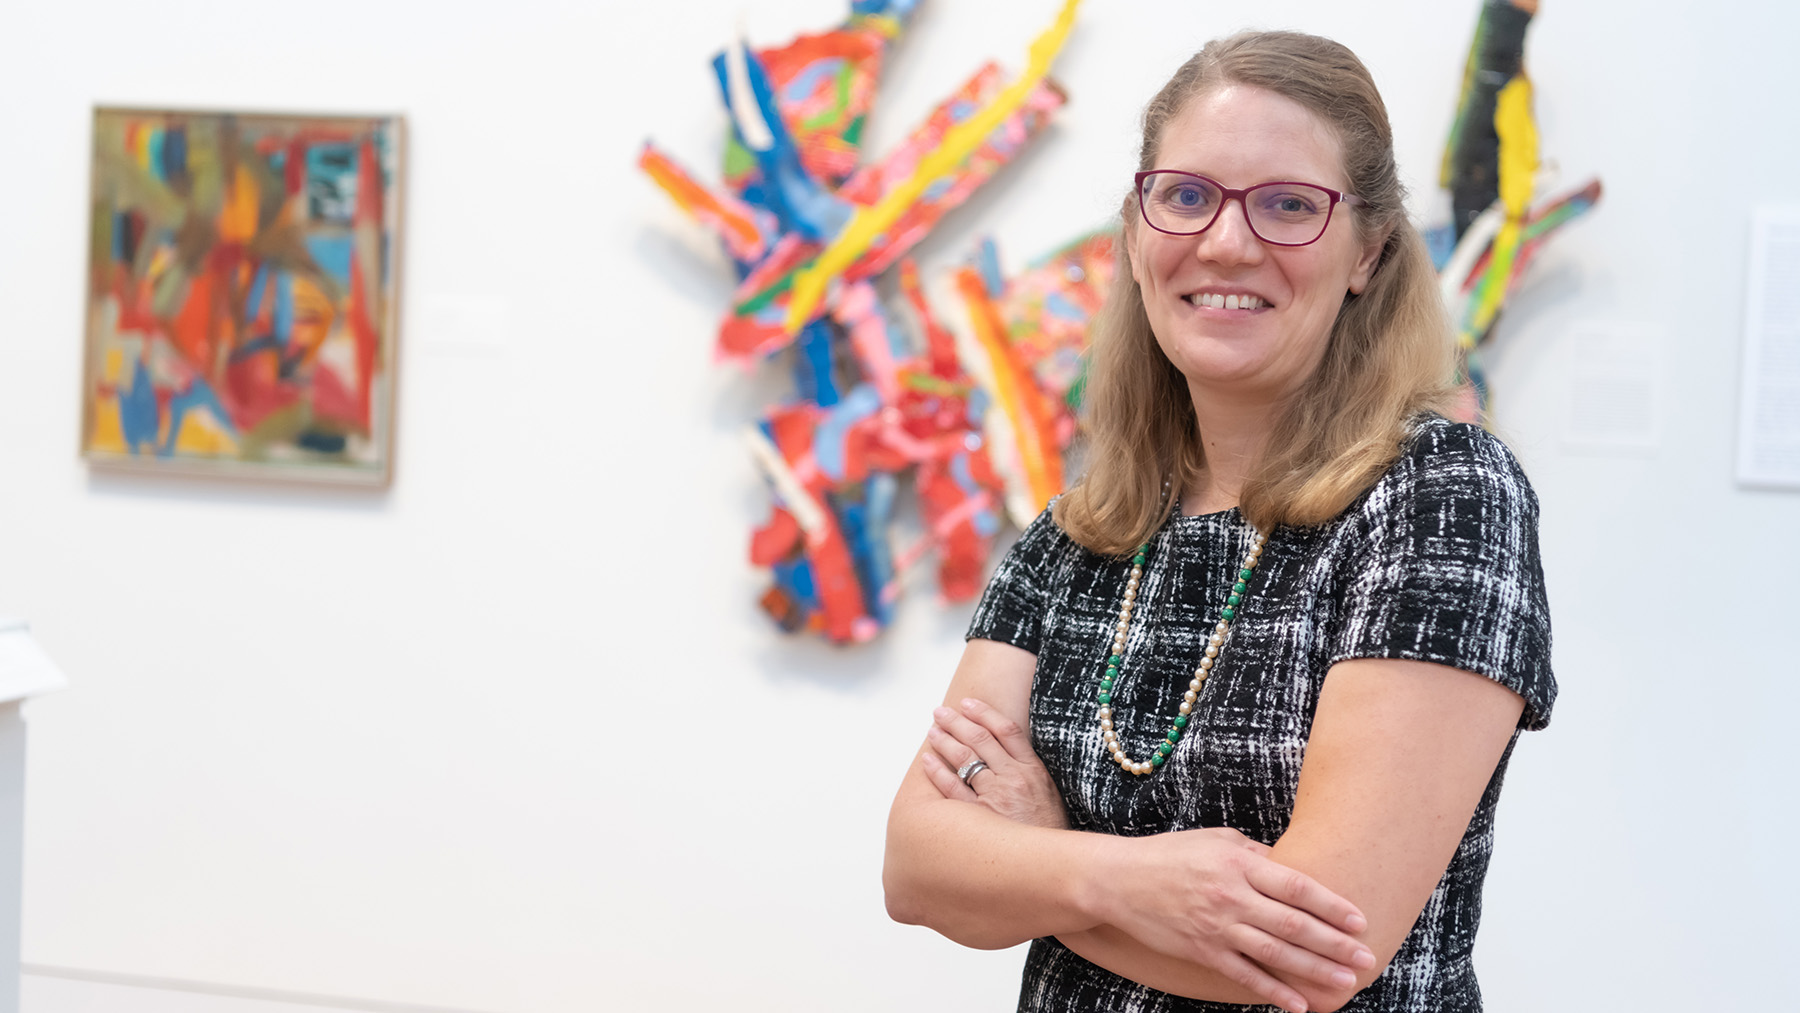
(242, 295)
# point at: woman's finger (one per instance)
(1297, 889)
(1245, 972)
(944, 779)
(975, 738)
(1277, 954)
(1299, 929)
(1012, 738)
(953, 753)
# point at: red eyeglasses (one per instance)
(1281, 213)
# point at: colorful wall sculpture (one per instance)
(1491, 171)
(242, 295)
(973, 419)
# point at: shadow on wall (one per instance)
(237, 492)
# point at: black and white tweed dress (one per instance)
(1437, 562)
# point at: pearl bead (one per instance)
(1108, 733)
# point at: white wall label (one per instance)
(1769, 404)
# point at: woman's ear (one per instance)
(1365, 265)
(1126, 241)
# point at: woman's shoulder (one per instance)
(1456, 459)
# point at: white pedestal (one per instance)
(25, 671)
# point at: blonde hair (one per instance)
(1389, 356)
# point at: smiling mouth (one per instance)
(1224, 302)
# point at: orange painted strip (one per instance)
(1018, 396)
(731, 218)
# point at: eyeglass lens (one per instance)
(1286, 213)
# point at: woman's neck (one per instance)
(1233, 433)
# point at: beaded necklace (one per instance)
(1161, 753)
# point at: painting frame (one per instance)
(242, 294)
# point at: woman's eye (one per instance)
(1291, 204)
(1189, 198)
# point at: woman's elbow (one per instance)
(903, 904)
(909, 905)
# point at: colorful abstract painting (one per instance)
(242, 295)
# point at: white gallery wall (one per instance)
(513, 736)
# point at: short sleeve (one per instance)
(1448, 570)
(1012, 608)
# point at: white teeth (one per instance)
(1226, 302)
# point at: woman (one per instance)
(1273, 650)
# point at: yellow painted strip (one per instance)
(1518, 170)
(960, 141)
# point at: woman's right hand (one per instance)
(1214, 898)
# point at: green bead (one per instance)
(1106, 685)
(1145, 547)
(1234, 599)
(1229, 613)
(1164, 749)
(1137, 560)
(1112, 662)
(1112, 671)
(1240, 587)
(1174, 736)
(1105, 697)
(1181, 720)
(1156, 759)
(1243, 574)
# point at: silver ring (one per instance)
(970, 769)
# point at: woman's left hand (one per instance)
(1014, 783)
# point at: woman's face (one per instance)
(1242, 136)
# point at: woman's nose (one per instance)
(1230, 238)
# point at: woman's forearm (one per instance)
(984, 880)
(1111, 948)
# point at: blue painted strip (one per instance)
(332, 254)
(1057, 305)
(814, 371)
(137, 409)
(284, 307)
(831, 438)
(987, 261)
